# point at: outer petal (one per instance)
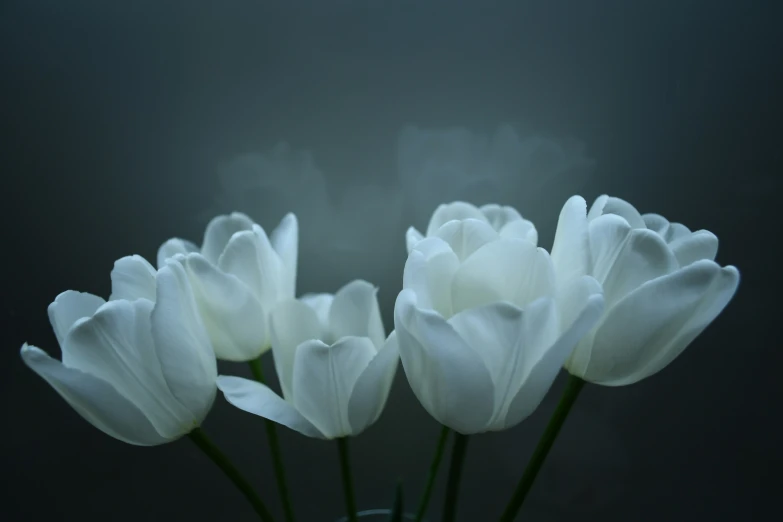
(132, 278)
(321, 303)
(183, 346)
(292, 323)
(324, 378)
(116, 345)
(458, 210)
(467, 236)
(429, 271)
(371, 390)
(173, 247)
(235, 319)
(657, 223)
(702, 244)
(635, 331)
(571, 248)
(220, 230)
(512, 270)
(412, 236)
(285, 241)
(253, 397)
(355, 312)
(94, 399)
(608, 205)
(69, 307)
(448, 377)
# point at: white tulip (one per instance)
(333, 361)
(238, 276)
(506, 221)
(140, 371)
(482, 328)
(661, 285)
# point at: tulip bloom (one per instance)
(661, 284)
(506, 221)
(483, 328)
(334, 363)
(140, 370)
(238, 276)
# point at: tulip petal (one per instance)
(429, 271)
(116, 345)
(220, 230)
(256, 398)
(133, 277)
(371, 390)
(69, 307)
(512, 270)
(234, 318)
(712, 304)
(467, 236)
(447, 376)
(94, 399)
(458, 210)
(606, 205)
(324, 378)
(173, 247)
(321, 303)
(355, 312)
(571, 248)
(182, 344)
(676, 231)
(657, 223)
(412, 236)
(285, 241)
(291, 323)
(702, 244)
(635, 331)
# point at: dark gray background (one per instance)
(118, 118)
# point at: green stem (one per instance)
(221, 460)
(455, 473)
(572, 389)
(425, 498)
(274, 448)
(345, 466)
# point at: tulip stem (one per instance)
(257, 369)
(345, 466)
(573, 387)
(221, 460)
(425, 498)
(455, 474)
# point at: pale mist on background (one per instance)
(357, 229)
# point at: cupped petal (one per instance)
(355, 312)
(291, 323)
(132, 277)
(587, 304)
(324, 378)
(94, 399)
(174, 247)
(522, 229)
(116, 345)
(676, 231)
(412, 236)
(448, 377)
(429, 271)
(250, 257)
(512, 270)
(609, 205)
(466, 236)
(285, 241)
(371, 390)
(713, 302)
(636, 330)
(182, 344)
(458, 210)
(643, 256)
(509, 222)
(234, 318)
(69, 307)
(701, 244)
(256, 398)
(571, 248)
(220, 230)
(656, 222)
(321, 303)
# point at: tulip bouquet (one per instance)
(484, 323)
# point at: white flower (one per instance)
(334, 366)
(482, 328)
(506, 221)
(238, 276)
(140, 371)
(661, 285)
